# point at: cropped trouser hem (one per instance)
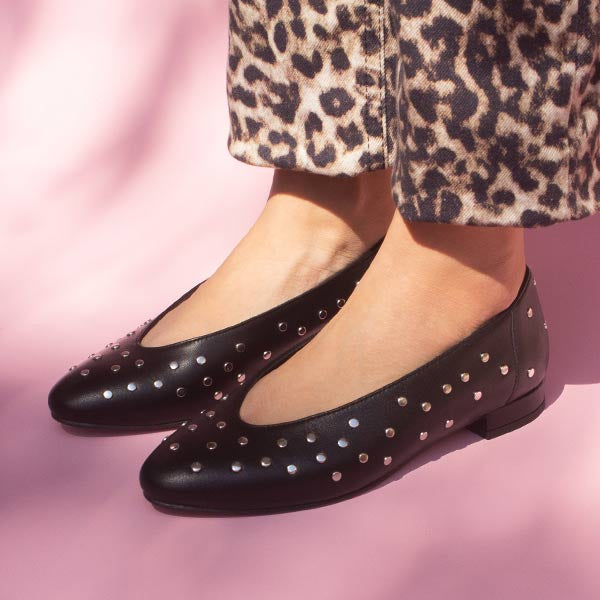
(487, 113)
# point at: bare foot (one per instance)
(429, 286)
(311, 227)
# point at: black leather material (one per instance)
(491, 382)
(131, 386)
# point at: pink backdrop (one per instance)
(118, 195)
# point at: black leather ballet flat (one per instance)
(131, 386)
(491, 383)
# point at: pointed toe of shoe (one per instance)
(118, 389)
(183, 475)
(69, 403)
(85, 398)
(167, 482)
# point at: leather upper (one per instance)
(219, 463)
(130, 385)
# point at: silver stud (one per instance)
(115, 368)
(174, 446)
(211, 445)
(341, 302)
(545, 325)
(485, 357)
(449, 423)
(265, 461)
(221, 424)
(192, 426)
(311, 438)
(464, 377)
(426, 406)
(173, 365)
(530, 373)
(423, 436)
(402, 401)
(165, 438)
(210, 414)
(354, 423)
(240, 347)
(336, 476)
(107, 394)
(477, 396)
(98, 357)
(292, 469)
(218, 395)
(132, 386)
(207, 381)
(125, 353)
(322, 314)
(343, 443)
(139, 363)
(181, 391)
(387, 461)
(446, 388)
(201, 360)
(72, 368)
(196, 467)
(228, 367)
(530, 312)
(241, 377)
(158, 384)
(321, 457)
(115, 346)
(282, 442)
(504, 369)
(267, 354)
(282, 326)
(363, 457)
(301, 330)
(242, 441)
(85, 372)
(236, 466)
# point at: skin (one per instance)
(311, 226)
(429, 286)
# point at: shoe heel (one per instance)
(512, 416)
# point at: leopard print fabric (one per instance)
(488, 111)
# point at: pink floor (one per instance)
(117, 195)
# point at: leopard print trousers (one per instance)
(487, 111)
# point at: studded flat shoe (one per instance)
(491, 383)
(131, 386)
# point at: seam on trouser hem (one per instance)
(382, 92)
(367, 95)
(574, 92)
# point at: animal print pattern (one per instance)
(487, 111)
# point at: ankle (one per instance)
(344, 214)
(478, 267)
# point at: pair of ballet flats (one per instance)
(491, 383)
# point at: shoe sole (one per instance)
(124, 428)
